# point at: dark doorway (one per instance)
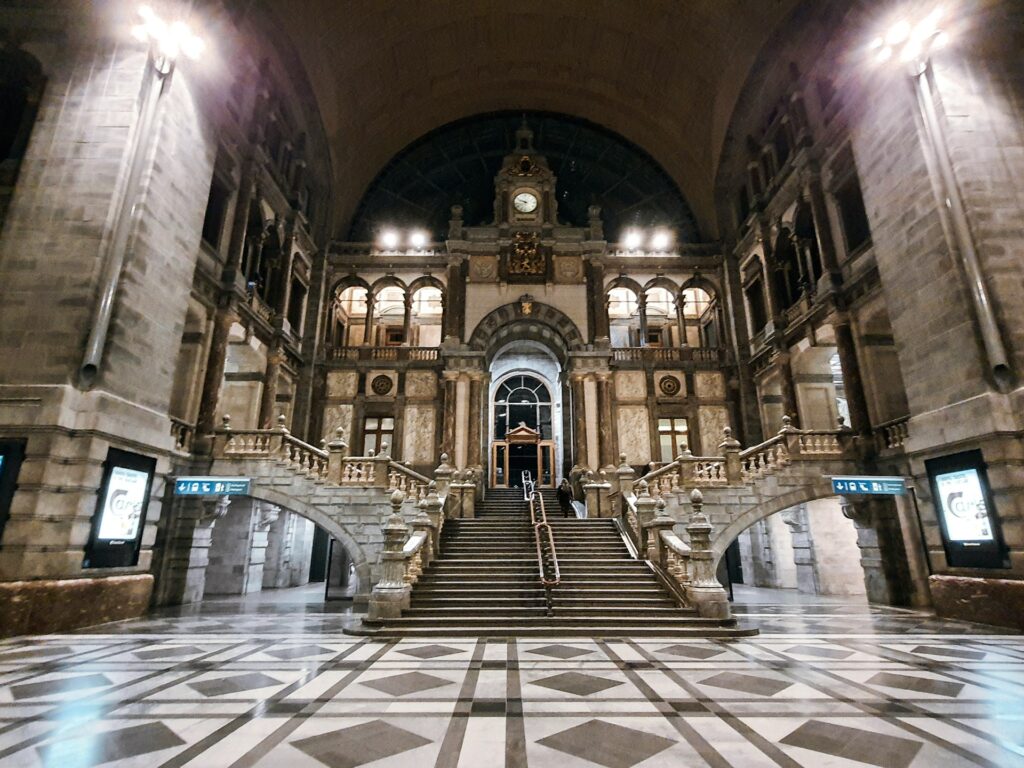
(521, 458)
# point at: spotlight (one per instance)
(633, 240)
(168, 39)
(661, 240)
(418, 240)
(389, 239)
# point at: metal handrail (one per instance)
(537, 526)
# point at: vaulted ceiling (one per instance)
(664, 74)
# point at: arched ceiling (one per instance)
(664, 74)
(457, 163)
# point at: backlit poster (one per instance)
(122, 510)
(962, 500)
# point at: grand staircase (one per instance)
(486, 583)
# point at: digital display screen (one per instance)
(122, 510)
(961, 498)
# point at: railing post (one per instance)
(790, 436)
(336, 450)
(467, 493)
(687, 469)
(591, 495)
(730, 448)
(422, 523)
(277, 442)
(626, 476)
(381, 465)
(645, 505)
(432, 507)
(443, 475)
(661, 522)
(704, 592)
(222, 437)
(391, 594)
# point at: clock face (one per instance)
(525, 202)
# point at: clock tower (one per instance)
(525, 187)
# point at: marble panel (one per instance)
(342, 384)
(418, 440)
(421, 385)
(634, 433)
(710, 385)
(338, 416)
(630, 385)
(568, 269)
(713, 419)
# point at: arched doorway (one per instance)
(524, 423)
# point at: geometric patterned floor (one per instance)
(827, 684)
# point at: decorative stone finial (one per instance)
(643, 489)
(787, 424)
(281, 419)
(696, 497)
(225, 421)
(729, 443)
(397, 497)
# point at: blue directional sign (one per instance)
(871, 485)
(212, 486)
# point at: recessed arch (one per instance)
(541, 323)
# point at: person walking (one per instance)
(564, 493)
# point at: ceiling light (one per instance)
(418, 240)
(633, 240)
(661, 240)
(389, 239)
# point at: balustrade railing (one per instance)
(669, 354)
(389, 354)
(738, 465)
(892, 435)
(184, 435)
(547, 562)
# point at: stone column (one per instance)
(681, 318)
(461, 420)
(815, 195)
(642, 305)
(224, 318)
(476, 382)
(887, 574)
(455, 300)
(860, 420)
(787, 387)
(368, 340)
(186, 550)
(598, 300)
(591, 405)
(268, 400)
(607, 430)
(407, 322)
(448, 434)
(579, 420)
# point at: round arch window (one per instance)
(521, 399)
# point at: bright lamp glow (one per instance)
(661, 240)
(633, 240)
(168, 39)
(909, 41)
(389, 239)
(418, 240)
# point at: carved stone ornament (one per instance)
(381, 385)
(669, 386)
(525, 167)
(526, 304)
(526, 258)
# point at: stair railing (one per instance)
(550, 574)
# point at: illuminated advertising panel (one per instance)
(966, 515)
(120, 511)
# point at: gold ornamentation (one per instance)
(526, 304)
(526, 257)
(525, 167)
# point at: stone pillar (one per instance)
(815, 195)
(681, 318)
(598, 300)
(431, 506)
(407, 322)
(704, 592)
(607, 428)
(461, 421)
(368, 340)
(645, 508)
(579, 420)
(625, 475)
(268, 400)
(186, 550)
(224, 318)
(455, 300)
(443, 475)
(592, 416)
(448, 432)
(391, 594)
(887, 575)
(642, 306)
(476, 417)
(730, 448)
(856, 399)
(787, 387)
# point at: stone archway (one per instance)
(325, 521)
(526, 320)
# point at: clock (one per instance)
(525, 202)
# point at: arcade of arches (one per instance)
(384, 270)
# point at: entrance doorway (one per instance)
(522, 432)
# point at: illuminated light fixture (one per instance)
(661, 240)
(633, 240)
(418, 240)
(389, 239)
(910, 42)
(167, 40)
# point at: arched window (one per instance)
(349, 317)
(522, 400)
(623, 317)
(700, 318)
(662, 328)
(389, 312)
(427, 312)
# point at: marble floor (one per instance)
(272, 681)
